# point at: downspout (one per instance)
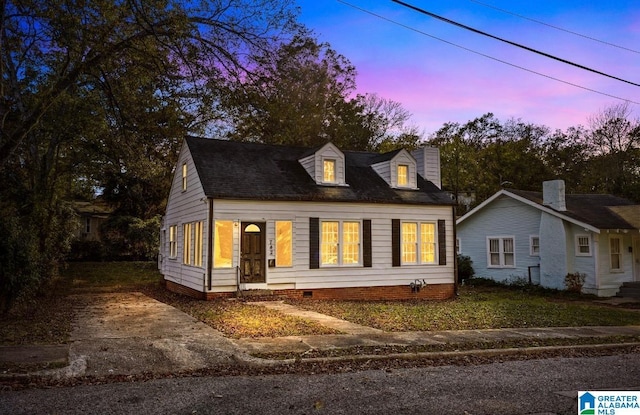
(210, 247)
(455, 252)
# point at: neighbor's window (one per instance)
(615, 250)
(223, 244)
(186, 245)
(197, 259)
(284, 244)
(184, 177)
(329, 171)
(534, 245)
(500, 251)
(173, 241)
(583, 245)
(334, 235)
(403, 175)
(418, 243)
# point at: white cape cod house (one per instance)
(319, 223)
(542, 237)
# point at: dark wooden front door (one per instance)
(252, 248)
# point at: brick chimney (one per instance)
(428, 164)
(553, 194)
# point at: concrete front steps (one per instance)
(629, 290)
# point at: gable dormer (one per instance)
(398, 169)
(325, 165)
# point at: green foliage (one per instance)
(465, 268)
(131, 238)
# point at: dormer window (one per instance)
(329, 171)
(403, 175)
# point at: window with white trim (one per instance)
(173, 241)
(223, 244)
(403, 175)
(534, 245)
(500, 252)
(615, 252)
(329, 171)
(418, 243)
(184, 177)
(583, 245)
(284, 243)
(198, 243)
(186, 243)
(340, 243)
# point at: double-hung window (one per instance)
(534, 245)
(198, 243)
(615, 251)
(184, 177)
(418, 243)
(339, 243)
(403, 175)
(173, 241)
(329, 171)
(501, 252)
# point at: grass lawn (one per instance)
(47, 319)
(479, 307)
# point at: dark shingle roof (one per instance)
(235, 170)
(592, 209)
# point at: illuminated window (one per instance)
(351, 243)
(340, 243)
(409, 242)
(284, 244)
(329, 171)
(186, 245)
(173, 241)
(615, 244)
(500, 252)
(184, 177)
(403, 175)
(197, 259)
(329, 245)
(223, 244)
(583, 245)
(427, 243)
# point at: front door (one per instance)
(252, 258)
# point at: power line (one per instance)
(484, 55)
(555, 27)
(480, 32)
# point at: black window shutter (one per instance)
(314, 243)
(395, 242)
(442, 243)
(366, 243)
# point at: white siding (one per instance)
(301, 277)
(428, 164)
(609, 281)
(185, 207)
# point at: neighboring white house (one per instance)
(318, 223)
(542, 237)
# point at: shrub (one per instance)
(574, 282)
(465, 268)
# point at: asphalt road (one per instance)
(547, 386)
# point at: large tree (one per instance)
(101, 93)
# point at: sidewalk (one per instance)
(130, 333)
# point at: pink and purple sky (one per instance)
(440, 83)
